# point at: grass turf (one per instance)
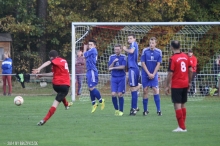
(78, 127)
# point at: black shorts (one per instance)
(179, 95)
(62, 91)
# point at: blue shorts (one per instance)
(92, 78)
(118, 84)
(146, 82)
(133, 76)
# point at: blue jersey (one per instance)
(151, 58)
(121, 62)
(91, 58)
(133, 57)
(7, 66)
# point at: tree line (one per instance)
(37, 26)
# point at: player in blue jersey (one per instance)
(151, 59)
(133, 71)
(92, 74)
(116, 64)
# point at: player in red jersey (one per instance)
(193, 61)
(61, 82)
(179, 79)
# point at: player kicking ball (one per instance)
(61, 82)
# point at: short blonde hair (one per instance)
(153, 38)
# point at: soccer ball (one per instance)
(18, 100)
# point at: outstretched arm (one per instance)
(35, 71)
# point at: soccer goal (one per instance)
(202, 37)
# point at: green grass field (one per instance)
(78, 127)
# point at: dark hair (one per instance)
(53, 53)
(133, 35)
(93, 41)
(118, 45)
(175, 44)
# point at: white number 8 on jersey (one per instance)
(183, 66)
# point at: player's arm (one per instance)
(35, 71)
(50, 74)
(169, 78)
(195, 63)
(143, 63)
(158, 64)
(156, 68)
(85, 52)
(190, 73)
(129, 50)
(111, 63)
(145, 68)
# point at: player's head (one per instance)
(152, 42)
(175, 45)
(79, 53)
(53, 54)
(190, 52)
(6, 54)
(92, 44)
(117, 49)
(131, 38)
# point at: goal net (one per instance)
(202, 38)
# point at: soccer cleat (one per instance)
(116, 112)
(159, 113)
(42, 122)
(69, 105)
(137, 109)
(102, 104)
(178, 129)
(94, 107)
(120, 113)
(133, 112)
(145, 113)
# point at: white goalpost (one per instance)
(191, 34)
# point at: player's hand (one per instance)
(124, 48)
(167, 90)
(110, 68)
(38, 76)
(85, 47)
(151, 76)
(116, 59)
(35, 71)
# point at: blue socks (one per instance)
(121, 103)
(134, 98)
(115, 102)
(95, 94)
(157, 101)
(145, 103)
(92, 97)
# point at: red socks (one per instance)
(50, 113)
(65, 102)
(180, 119)
(184, 114)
